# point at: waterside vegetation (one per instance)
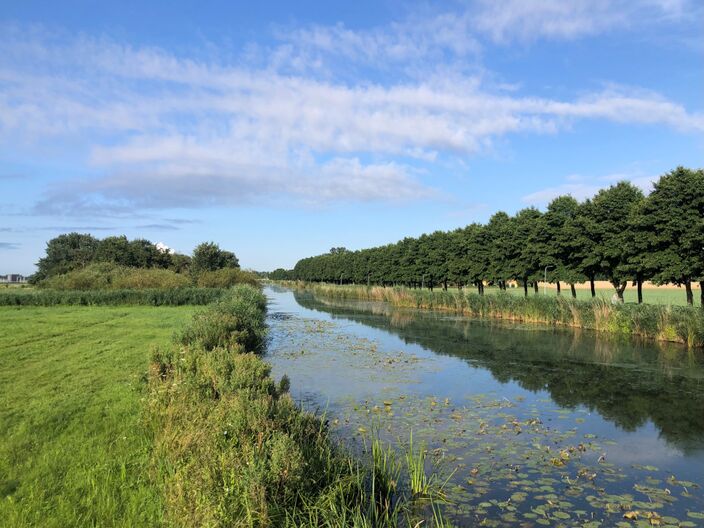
(680, 324)
(231, 447)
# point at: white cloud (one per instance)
(163, 130)
(527, 20)
(583, 187)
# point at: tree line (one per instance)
(74, 251)
(619, 235)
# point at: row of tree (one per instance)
(74, 251)
(619, 235)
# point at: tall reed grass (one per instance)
(681, 324)
(153, 297)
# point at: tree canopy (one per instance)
(618, 235)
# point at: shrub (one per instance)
(106, 276)
(226, 278)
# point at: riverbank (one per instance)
(680, 324)
(231, 447)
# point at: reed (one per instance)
(681, 324)
(149, 297)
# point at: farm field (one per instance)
(71, 449)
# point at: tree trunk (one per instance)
(639, 282)
(525, 287)
(558, 287)
(479, 287)
(444, 285)
(620, 288)
(574, 292)
(690, 296)
(535, 286)
(591, 284)
(701, 293)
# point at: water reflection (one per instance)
(628, 382)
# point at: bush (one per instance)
(106, 276)
(226, 278)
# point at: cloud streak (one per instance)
(162, 131)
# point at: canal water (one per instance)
(526, 425)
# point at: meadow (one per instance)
(72, 451)
(167, 416)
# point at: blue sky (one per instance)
(282, 129)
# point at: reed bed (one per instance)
(150, 297)
(681, 324)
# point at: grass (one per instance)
(72, 452)
(231, 448)
(680, 324)
(205, 437)
(151, 297)
(667, 296)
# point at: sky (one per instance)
(282, 129)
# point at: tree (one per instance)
(527, 257)
(114, 249)
(672, 223)
(554, 241)
(209, 257)
(66, 253)
(610, 213)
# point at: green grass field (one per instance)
(72, 452)
(651, 296)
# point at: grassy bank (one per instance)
(72, 451)
(205, 438)
(681, 324)
(233, 449)
(150, 297)
(672, 296)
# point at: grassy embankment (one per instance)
(211, 440)
(681, 324)
(233, 449)
(662, 295)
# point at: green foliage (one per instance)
(107, 276)
(226, 278)
(236, 318)
(151, 297)
(666, 323)
(232, 447)
(281, 274)
(671, 226)
(209, 257)
(66, 253)
(74, 251)
(618, 235)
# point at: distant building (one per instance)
(163, 248)
(13, 278)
